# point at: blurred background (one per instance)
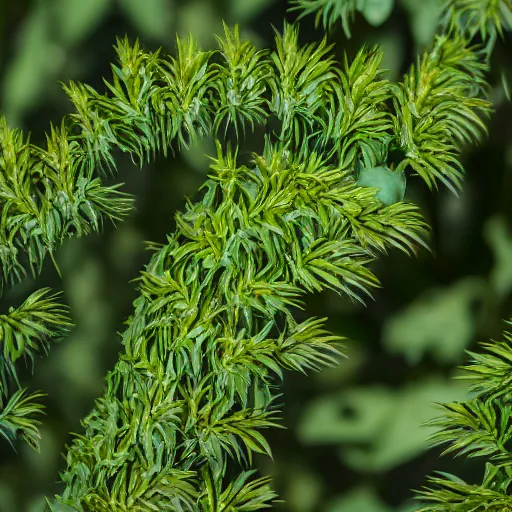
(354, 440)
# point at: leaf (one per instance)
(18, 418)
(441, 322)
(499, 239)
(36, 59)
(376, 428)
(402, 435)
(424, 18)
(304, 490)
(355, 415)
(376, 12)
(391, 184)
(78, 19)
(358, 499)
(242, 12)
(151, 17)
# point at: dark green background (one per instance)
(354, 441)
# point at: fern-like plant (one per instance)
(214, 328)
(480, 427)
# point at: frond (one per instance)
(328, 11)
(28, 330)
(301, 85)
(47, 195)
(475, 428)
(185, 96)
(242, 80)
(487, 18)
(213, 328)
(246, 495)
(490, 371)
(307, 346)
(452, 494)
(480, 427)
(18, 418)
(359, 123)
(438, 108)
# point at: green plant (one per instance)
(213, 328)
(479, 427)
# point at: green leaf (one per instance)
(391, 184)
(499, 239)
(360, 498)
(152, 18)
(77, 19)
(442, 322)
(355, 415)
(375, 12)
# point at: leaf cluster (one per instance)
(213, 329)
(26, 332)
(153, 100)
(478, 428)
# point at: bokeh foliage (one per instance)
(354, 439)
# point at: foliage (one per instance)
(487, 18)
(330, 11)
(479, 427)
(213, 328)
(26, 332)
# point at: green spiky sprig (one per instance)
(488, 19)
(293, 223)
(213, 329)
(49, 194)
(25, 333)
(478, 428)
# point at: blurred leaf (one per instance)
(37, 505)
(77, 19)
(151, 17)
(364, 499)
(391, 184)
(49, 28)
(333, 376)
(360, 499)
(424, 17)
(402, 435)
(378, 427)
(304, 489)
(32, 65)
(200, 19)
(393, 45)
(7, 495)
(54, 506)
(505, 80)
(376, 12)
(198, 154)
(352, 415)
(499, 239)
(241, 11)
(441, 322)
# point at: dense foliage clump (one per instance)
(214, 328)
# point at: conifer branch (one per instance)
(213, 328)
(18, 418)
(480, 427)
(26, 332)
(328, 11)
(430, 126)
(488, 19)
(45, 196)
